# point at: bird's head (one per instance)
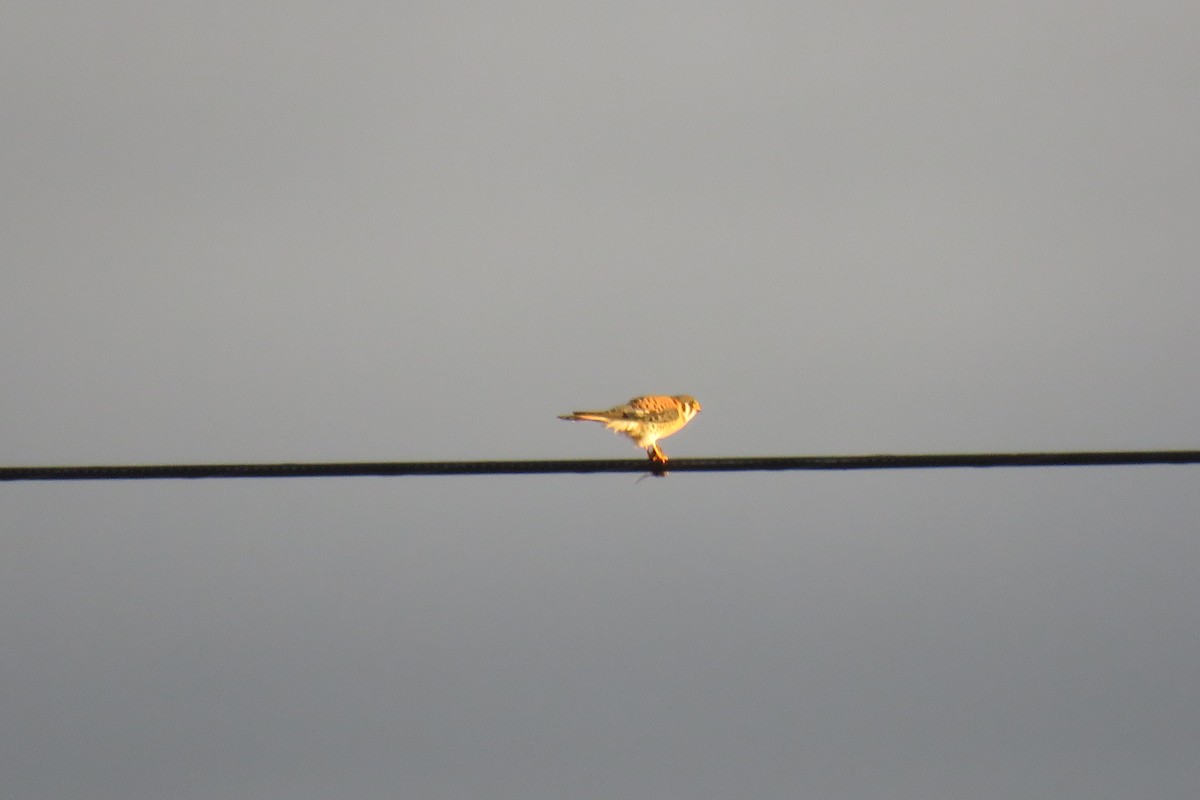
(691, 406)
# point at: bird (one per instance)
(645, 419)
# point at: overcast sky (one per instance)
(419, 231)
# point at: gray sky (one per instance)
(275, 232)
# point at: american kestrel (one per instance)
(645, 419)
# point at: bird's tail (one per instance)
(587, 416)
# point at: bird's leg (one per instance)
(658, 463)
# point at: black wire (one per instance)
(749, 464)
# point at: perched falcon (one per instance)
(645, 419)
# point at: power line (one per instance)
(547, 467)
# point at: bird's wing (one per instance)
(653, 408)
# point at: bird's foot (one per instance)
(658, 462)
